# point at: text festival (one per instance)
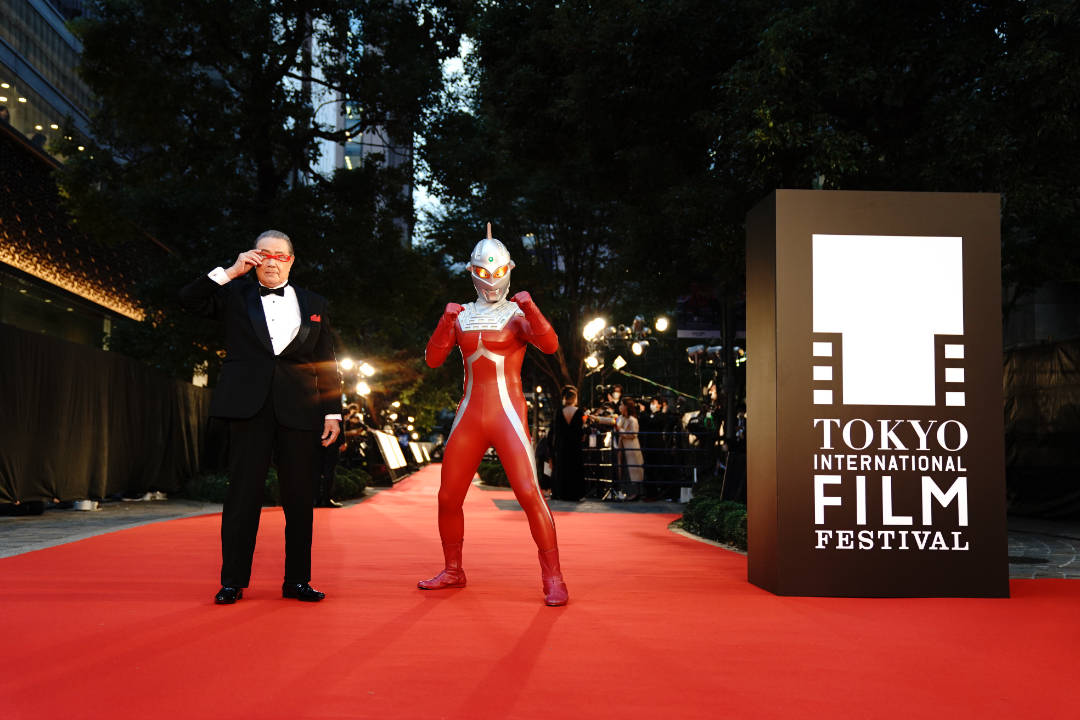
(858, 447)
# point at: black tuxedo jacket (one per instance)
(303, 380)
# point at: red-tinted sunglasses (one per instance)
(271, 256)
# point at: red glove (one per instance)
(538, 330)
(442, 340)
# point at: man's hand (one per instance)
(331, 429)
(453, 310)
(522, 298)
(244, 262)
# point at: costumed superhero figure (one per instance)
(492, 334)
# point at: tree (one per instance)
(583, 141)
(919, 96)
(208, 131)
(617, 145)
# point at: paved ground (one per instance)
(1037, 548)
(1044, 548)
(56, 527)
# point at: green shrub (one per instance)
(272, 496)
(492, 473)
(350, 482)
(716, 519)
(208, 487)
(213, 487)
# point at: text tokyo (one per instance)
(859, 434)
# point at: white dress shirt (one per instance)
(282, 316)
(282, 312)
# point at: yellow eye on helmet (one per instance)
(501, 272)
(481, 272)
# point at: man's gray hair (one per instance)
(276, 234)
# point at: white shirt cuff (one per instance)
(333, 416)
(218, 275)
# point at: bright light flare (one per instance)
(593, 328)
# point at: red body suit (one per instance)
(492, 414)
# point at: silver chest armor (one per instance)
(484, 316)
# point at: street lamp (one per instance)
(661, 324)
(347, 364)
(366, 369)
(619, 362)
(593, 328)
(363, 389)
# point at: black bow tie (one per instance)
(264, 291)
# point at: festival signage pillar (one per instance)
(875, 458)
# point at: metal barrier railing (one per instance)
(668, 459)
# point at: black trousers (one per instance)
(328, 460)
(252, 443)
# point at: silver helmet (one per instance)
(490, 266)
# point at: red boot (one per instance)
(452, 576)
(555, 592)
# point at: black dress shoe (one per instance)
(228, 595)
(301, 591)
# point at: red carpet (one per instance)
(658, 626)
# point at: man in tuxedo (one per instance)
(280, 392)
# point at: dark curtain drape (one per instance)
(77, 422)
(1042, 429)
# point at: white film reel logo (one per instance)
(887, 296)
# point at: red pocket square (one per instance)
(316, 318)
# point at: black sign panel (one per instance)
(875, 457)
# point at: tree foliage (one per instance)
(584, 140)
(921, 96)
(625, 141)
(208, 132)
(616, 145)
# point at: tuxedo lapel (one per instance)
(255, 313)
(303, 303)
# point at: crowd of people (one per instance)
(624, 449)
(637, 448)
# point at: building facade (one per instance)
(39, 83)
(54, 280)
